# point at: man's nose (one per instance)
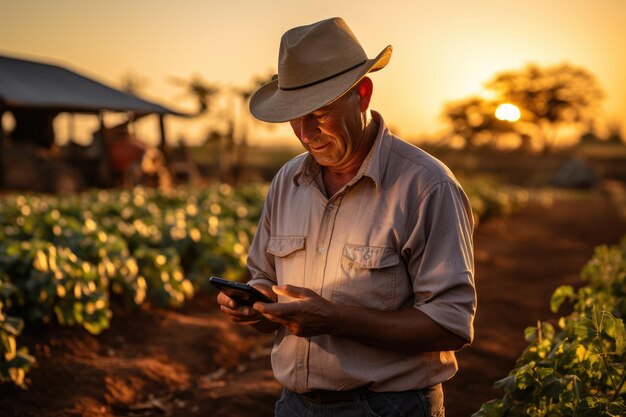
(309, 129)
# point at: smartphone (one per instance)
(243, 294)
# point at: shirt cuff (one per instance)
(454, 322)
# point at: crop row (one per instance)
(66, 258)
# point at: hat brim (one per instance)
(271, 104)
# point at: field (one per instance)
(151, 359)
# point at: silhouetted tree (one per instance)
(615, 134)
(199, 89)
(132, 83)
(550, 98)
(474, 120)
(230, 123)
(243, 95)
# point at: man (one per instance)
(365, 241)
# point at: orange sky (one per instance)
(443, 51)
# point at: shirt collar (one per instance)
(373, 166)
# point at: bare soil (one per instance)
(194, 362)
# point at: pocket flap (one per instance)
(370, 257)
(285, 245)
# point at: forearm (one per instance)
(407, 330)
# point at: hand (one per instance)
(246, 315)
(307, 315)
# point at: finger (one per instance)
(264, 308)
(260, 306)
(276, 319)
(275, 309)
(293, 291)
(224, 300)
(264, 289)
(285, 312)
(244, 321)
(242, 312)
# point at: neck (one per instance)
(336, 177)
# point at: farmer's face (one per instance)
(332, 134)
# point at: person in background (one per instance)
(365, 241)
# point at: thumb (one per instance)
(292, 291)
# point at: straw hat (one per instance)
(317, 64)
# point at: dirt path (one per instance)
(193, 362)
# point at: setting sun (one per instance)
(508, 112)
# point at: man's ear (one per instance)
(364, 88)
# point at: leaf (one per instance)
(22, 360)
(507, 384)
(584, 329)
(11, 351)
(530, 334)
(547, 331)
(524, 376)
(552, 386)
(17, 375)
(41, 261)
(493, 408)
(564, 292)
(614, 328)
(13, 325)
(592, 405)
(616, 409)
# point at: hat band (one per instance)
(323, 79)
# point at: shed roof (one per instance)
(34, 85)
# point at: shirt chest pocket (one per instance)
(367, 276)
(289, 258)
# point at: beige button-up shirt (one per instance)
(399, 235)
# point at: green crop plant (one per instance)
(578, 370)
(14, 361)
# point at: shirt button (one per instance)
(331, 206)
(321, 249)
(300, 366)
(367, 256)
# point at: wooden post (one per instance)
(71, 127)
(104, 169)
(102, 127)
(162, 132)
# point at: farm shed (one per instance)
(35, 93)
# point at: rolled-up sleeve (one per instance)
(260, 262)
(439, 256)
